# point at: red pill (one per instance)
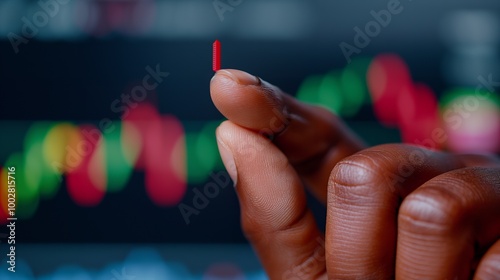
(216, 56)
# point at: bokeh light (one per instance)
(148, 264)
(343, 91)
(162, 155)
(418, 113)
(387, 77)
(354, 87)
(471, 120)
(43, 176)
(60, 147)
(118, 165)
(224, 271)
(139, 121)
(329, 94)
(87, 182)
(131, 142)
(71, 272)
(101, 18)
(202, 152)
(322, 90)
(165, 181)
(308, 91)
(98, 162)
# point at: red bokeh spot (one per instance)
(87, 182)
(418, 114)
(142, 118)
(162, 154)
(387, 77)
(165, 161)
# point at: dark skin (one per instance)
(393, 211)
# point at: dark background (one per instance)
(74, 75)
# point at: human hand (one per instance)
(392, 211)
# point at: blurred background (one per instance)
(105, 112)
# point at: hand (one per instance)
(393, 211)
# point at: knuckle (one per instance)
(354, 181)
(354, 171)
(350, 178)
(366, 169)
(435, 208)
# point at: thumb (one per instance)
(274, 212)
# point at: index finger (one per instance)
(312, 138)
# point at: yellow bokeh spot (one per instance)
(61, 147)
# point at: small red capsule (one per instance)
(216, 56)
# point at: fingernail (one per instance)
(242, 78)
(228, 160)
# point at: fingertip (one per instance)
(228, 83)
(223, 131)
(240, 77)
(245, 99)
(242, 143)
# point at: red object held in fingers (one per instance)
(216, 56)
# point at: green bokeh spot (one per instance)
(42, 176)
(202, 153)
(354, 92)
(329, 93)
(196, 170)
(214, 160)
(309, 89)
(118, 168)
(452, 95)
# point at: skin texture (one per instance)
(393, 211)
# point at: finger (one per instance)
(274, 213)
(312, 138)
(489, 267)
(446, 224)
(365, 191)
(480, 160)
